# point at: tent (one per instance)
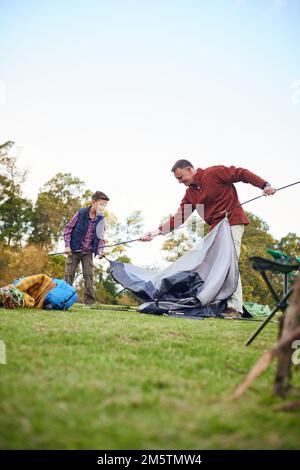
(198, 284)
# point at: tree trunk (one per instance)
(291, 322)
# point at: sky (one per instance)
(116, 91)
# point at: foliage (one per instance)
(57, 202)
(15, 210)
(20, 261)
(179, 242)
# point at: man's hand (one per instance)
(147, 237)
(269, 190)
(68, 250)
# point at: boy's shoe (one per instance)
(231, 313)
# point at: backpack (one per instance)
(61, 297)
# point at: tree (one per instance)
(58, 200)
(290, 244)
(121, 231)
(256, 240)
(15, 210)
(178, 243)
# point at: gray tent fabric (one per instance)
(198, 283)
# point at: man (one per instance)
(214, 188)
(84, 236)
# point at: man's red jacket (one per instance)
(214, 189)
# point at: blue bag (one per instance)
(61, 297)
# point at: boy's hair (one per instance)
(182, 164)
(98, 195)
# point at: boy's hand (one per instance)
(68, 250)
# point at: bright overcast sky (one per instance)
(115, 91)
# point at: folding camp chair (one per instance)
(286, 267)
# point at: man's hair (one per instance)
(99, 195)
(181, 164)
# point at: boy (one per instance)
(84, 236)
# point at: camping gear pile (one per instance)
(38, 291)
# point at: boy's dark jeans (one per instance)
(86, 259)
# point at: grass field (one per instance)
(88, 379)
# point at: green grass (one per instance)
(88, 379)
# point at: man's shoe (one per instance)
(231, 313)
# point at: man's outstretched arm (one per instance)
(233, 174)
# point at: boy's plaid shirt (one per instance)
(87, 242)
